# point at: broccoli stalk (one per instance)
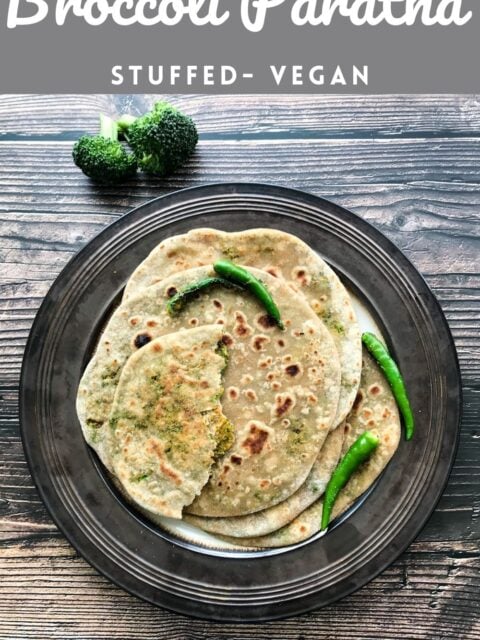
(102, 157)
(161, 140)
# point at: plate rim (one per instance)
(224, 189)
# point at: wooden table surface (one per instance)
(410, 166)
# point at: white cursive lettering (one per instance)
(254, 13)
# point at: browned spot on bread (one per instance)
(227, 339)
(171, 291)
(226, 469)
(266, 321)
(170, 473)
(346, 428)
(312, 399)
(157, 347)
(142, 339)
(134, 321)
(270, 376)
(303, 529)
(256, 440)
(258, 342)
(281, 343)
(302, 276)
(153, 446)
(171, 254)
(292, 370)
(296, 333)
(241, 330)
(276, 386)
(193, 322)
(220, 321)
(152, 323)
(374, 390)
(386, 413)
(358, 401)
(236, 459)
(264, 484)
(233, 393)
(367, 413)
(204, 384)
(250, 395)
(217, 304)
(283, 403)
(371, 423)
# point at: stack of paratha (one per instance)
(217, 416)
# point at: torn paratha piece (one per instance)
(166, 423)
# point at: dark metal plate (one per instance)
(148, 562)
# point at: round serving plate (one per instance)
(186, 577)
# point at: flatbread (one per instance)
(282, 255)
(166, 419)
(268, 520)
(281, 387)
(375, 410)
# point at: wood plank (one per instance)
(47, 591)
(252, 116)
(57, 116)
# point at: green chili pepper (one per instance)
(358, 453)
(180, 299)
(394, 378)
(241, 276)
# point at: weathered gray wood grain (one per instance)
(424, 596)
(267, 116)
(412, 168)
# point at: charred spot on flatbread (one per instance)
(256, 439)
(142, 339)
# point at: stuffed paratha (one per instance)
(166, 423)
(375, 410)
(282, 255)
(281, 387)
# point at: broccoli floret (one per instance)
(161, 140)
(102, 157)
